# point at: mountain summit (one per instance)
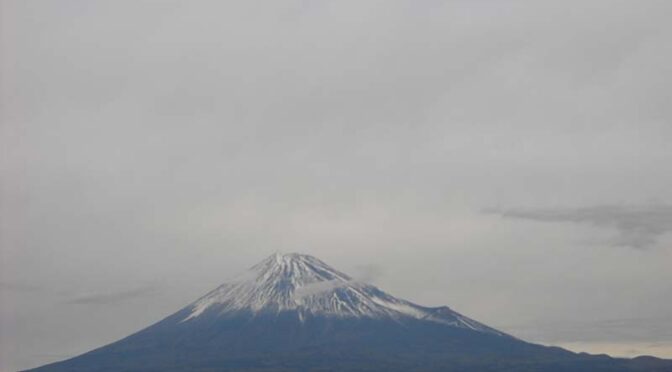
(293, 312)
(309, 287)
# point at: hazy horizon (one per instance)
(509, 159)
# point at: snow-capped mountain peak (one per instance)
(309, 287)
(280, 282)
(294, 312)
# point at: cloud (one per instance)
(111, 297)
(368, 273)
(363, 274)
(19, 287)
(81, 298)
(651, 330)
(638, 226)
(620, 349)
(355, 131)
(320, 287)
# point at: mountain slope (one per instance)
(295, 313)
(307, 286)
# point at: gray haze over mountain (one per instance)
(149, 150)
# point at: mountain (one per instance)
(306, 287)
(293, 312)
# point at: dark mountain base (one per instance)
(284, 343)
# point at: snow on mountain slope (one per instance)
(302, 283)
(295, 313)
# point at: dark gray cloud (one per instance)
(638, 226)
(107, 298)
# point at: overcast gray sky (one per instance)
(510, 159)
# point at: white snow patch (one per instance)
(285, 282)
